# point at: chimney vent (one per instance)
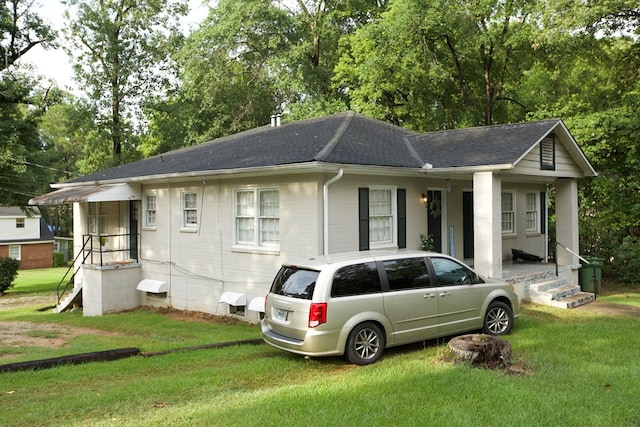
(273, 120)
(278, 119)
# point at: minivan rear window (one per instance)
(295, 282)
(357, 279)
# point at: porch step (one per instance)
(68, 302)
(559, 293)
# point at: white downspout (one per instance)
(325, 204)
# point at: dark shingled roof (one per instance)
(345, 138)
(481, 146)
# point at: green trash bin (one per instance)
(589, 272)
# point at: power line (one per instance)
(42, 166)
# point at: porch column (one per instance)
(487, 224)
(567, 219)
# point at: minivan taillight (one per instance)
(317, 314)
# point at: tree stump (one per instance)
(482, 350)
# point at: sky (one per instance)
(54, 63)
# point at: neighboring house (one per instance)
(25, 236)
(206, 227)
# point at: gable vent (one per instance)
(548, 153)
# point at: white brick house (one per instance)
(206, 227)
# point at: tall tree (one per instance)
(22, 29)
(121, 55)
(440, 64)
(21, 102)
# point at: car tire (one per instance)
(498, 319)
(365, 344)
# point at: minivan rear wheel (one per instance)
(498, 319)
(365, 344)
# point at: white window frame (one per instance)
(20, 222)
(382, 223)
(532, 211)
(150, 210)
(509, 214)
(189, 210)
(97, 219)
(256, 221)
(15, 252)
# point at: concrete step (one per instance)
(546, 285)
(576, 300)
(555, 294)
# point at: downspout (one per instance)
(325, 204)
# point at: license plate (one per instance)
(282, 314)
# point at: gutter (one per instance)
(325, 205)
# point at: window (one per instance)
(449, 272)
(380, 216)
(357, 279)
(150, 210)
(532, 212)
(257, 213)
(508, 213)
(295, 283)
(410, 273)
(97, 219)
(190, 210)
(15, 252)
(548, 153)
(19, 222)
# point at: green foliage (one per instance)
(58, 259)
(8, 272)
(627, 260)
(435, 65)
(426, 243)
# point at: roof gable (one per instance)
(481, 146)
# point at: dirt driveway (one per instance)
(28, 334)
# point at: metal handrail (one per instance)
(91, 250)
(592, 264)
(59, 293)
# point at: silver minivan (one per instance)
(358, 304)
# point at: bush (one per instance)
(8, 273)
(626, 260)
(58, 259)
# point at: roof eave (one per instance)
(305, 167)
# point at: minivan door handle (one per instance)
(429, 295)
(445, 294)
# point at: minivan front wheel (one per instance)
(365, 344)
(498, 319)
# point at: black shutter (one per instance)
(363, 218)
(402, 218)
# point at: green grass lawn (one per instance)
(578, 369)
(37, 282)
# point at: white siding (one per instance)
(565, 165)
(9, 231)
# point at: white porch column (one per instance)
(567, 219)
(487, 224)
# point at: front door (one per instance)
(434, 218)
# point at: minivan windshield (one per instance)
(294, 282)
